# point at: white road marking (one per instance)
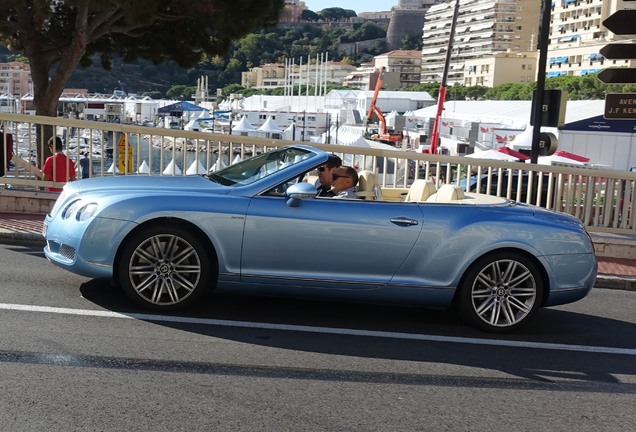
(322, 330)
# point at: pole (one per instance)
(544, 38)
(441, 98)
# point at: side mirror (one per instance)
(299, 191)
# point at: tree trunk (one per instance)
(47, 91)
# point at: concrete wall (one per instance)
(16, 201)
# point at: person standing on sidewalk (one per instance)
(58, 167)
(85, 165)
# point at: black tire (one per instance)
(163, 268)
(501, 292)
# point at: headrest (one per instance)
(447, 193)
(420, 190)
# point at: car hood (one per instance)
(147, 184)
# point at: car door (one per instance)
(327, 242)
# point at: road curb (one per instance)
(616, 282)
(21, 239)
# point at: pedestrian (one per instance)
(85, 166)
(58, 167)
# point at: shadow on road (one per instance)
(540, 366)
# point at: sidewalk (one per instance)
(618, 273)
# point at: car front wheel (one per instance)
(501, 292)
(163, 268)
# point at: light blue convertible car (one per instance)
(257, 227)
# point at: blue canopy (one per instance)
(177, 109)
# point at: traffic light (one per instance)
(553, 109)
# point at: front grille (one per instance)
(67, 252)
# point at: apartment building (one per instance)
(274, 75)
(483, 28)
(292, 11)
(406, 64)
(577, 34)
(501, 68)
(15, 79)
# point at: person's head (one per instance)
(344, 177)
(325, 172)
(55, 144)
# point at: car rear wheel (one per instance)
(163, 268)
(501, 292)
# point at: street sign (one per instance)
(621, 22)
(620, 106)
(618, 75)
(619, 51)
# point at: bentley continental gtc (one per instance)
(257, 226)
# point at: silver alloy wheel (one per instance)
(504, 293)
(164, 269)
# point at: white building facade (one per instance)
(483, 28)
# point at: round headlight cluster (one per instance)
(86, 212)
(80, 210)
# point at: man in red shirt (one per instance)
(58, 167)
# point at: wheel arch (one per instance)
(207, 243)
(545, 279)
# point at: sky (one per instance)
(356, 5)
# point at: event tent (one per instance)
(177, 109)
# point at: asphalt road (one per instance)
(75, 355)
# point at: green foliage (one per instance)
(308, 15)
(57, 36)
(411, 42)
(181, 92)
(367, 31)
(337, 14)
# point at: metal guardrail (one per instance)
(605, 200)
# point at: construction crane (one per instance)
(383, 135)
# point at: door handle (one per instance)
(403, 221)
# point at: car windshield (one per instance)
(258, 167)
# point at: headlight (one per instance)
(86, 212)
(71, 209)
(80, 211)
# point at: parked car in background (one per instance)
(256, 227)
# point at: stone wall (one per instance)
(17, 201)
(404, 22)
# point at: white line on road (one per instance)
(323, 330)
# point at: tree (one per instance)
(308, 15)
(337, 14)
(57, 36)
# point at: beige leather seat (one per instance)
(368, 186)
(447, 193)
(420, 190)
